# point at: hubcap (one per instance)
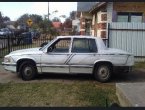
(103, 72)
(28, 71)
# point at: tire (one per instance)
(102, 73)
(28, 71)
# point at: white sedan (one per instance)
(70, 55)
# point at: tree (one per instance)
(55, 19)
(37, 19)
(73, 15)
(6, 18)
(46, 26)
(67, 23)
(3, 19)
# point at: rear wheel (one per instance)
(102, 73)
(28, 71)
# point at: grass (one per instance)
(1, 59)
(139, 65)
(76, 94)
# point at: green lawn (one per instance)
(139, 65)
(75, 94)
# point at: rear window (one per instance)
(83, 45)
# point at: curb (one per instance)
(131, 94)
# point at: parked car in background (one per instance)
(70, 55)
(35, 34)
(5, 32)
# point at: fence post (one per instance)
(9, 44)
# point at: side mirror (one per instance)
(49, 49)
(43, 44)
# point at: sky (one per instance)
(15, 9)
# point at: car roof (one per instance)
(78, 36)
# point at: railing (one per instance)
(10, 43)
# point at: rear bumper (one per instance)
(9, 66)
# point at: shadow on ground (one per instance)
(134, 76)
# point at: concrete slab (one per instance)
(131, 94)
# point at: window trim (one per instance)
(88, 44)
(54, 43)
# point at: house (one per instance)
(76, 25)
(85, 17)
(56, 25)
(10, 24)
(120, 24)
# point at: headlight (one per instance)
(8, 59)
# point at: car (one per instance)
(70, 55)
(35, 34)
(5, 32)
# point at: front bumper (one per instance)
(9, 66)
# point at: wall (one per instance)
(128, 7)
(129, 37)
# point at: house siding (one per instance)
(129, 37)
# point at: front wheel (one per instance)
(102, 73)
(28, 71)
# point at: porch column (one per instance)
(102, 26)
(82, 26)
(93, 26)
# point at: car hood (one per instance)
(114, 51)
(26, 51)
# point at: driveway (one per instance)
(135, 76)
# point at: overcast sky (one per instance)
(15, 9)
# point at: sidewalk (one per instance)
(131, 94)
(6, 76)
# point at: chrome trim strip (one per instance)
(112, 54)
(64, 66)
(8, 64)
(53, 65)
(82, 66)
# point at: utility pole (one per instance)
(48, 10)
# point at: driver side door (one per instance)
(56, 57)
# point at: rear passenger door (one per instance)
(84, 53)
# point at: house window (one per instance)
(129, 17)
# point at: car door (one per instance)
(54, 60)
(84, 53)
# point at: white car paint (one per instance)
(69, 62)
